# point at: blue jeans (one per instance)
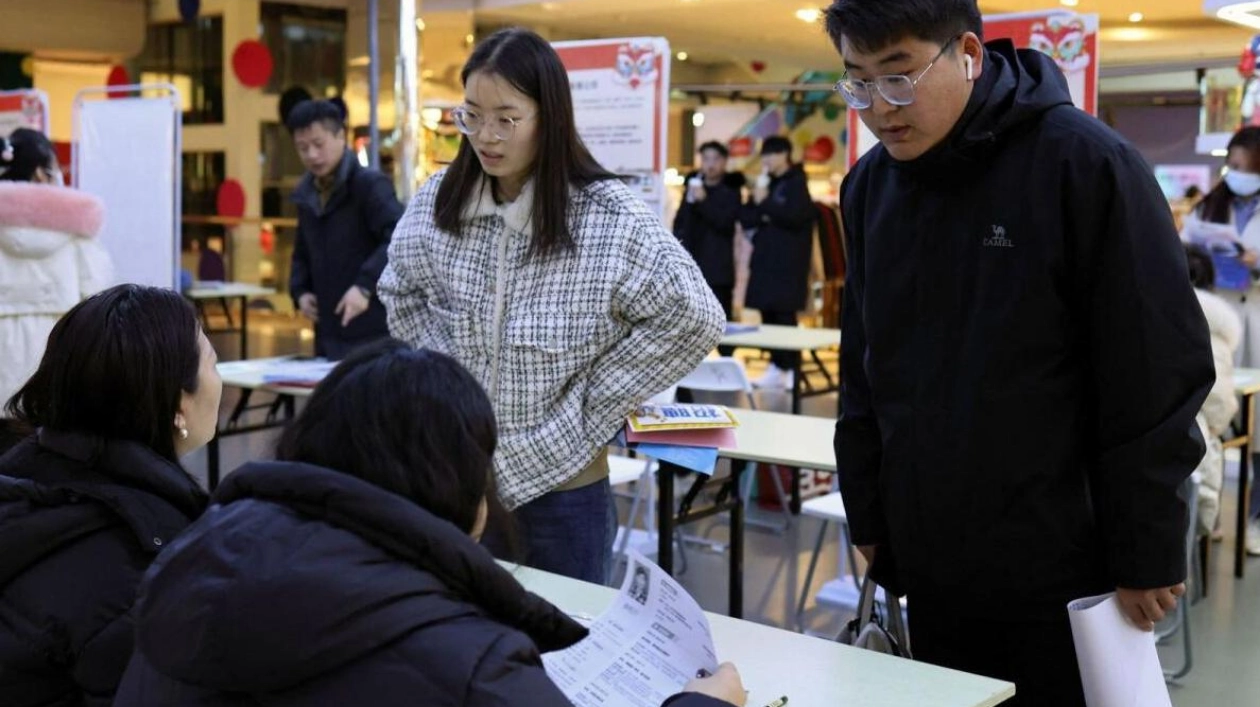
(570, 532)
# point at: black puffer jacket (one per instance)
(81, 519)
(707, 229)
(305, 586)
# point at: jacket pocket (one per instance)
(545, 359)
(452, 333)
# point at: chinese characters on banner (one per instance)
(621, 104)
(1069, 38)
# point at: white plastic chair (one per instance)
(728, 375)
(829, 509)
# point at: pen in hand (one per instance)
(779, 702)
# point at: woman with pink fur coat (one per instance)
(49, 258)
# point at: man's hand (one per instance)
(724, 685)
(352, 304)
(1250, 258)
(760, 194)
(1146, 607)
(698, 193)
(868, 552)
(309, 306)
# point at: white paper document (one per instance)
(1119, 665)
(1214, 236)
(642, 649)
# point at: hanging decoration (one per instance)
(230, 199)
(252, 64)
(757, 66)
(831, 112)
(820, 150)
(118, 76)
(189, 9)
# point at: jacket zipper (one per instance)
(500, 303)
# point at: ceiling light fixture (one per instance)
(809, 14)
(1137, 17)
(1246, 14)
(1070, 3)
(682, 56)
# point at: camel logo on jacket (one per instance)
(999, 239)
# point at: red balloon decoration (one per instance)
(230, 200)
(758, 66)
(251, 61)
(117, 77)
(741, 147)
(822, 150)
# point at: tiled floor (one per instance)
(1225, 626)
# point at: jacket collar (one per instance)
(154, 496)
(307, 193)
(409, 532)
(517, 216)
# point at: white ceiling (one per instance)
(736, 32)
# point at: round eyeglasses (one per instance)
(470, 122)
(896, 89)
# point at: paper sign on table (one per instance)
(1118, 662)
(651, 417)
(644, 648)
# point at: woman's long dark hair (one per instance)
(531, 66)
(115, 367)
(1215, 206)
(23, 154)
(412, 422)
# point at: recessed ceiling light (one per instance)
(1137, 17)
(809, 14)
(682, 56)
(550, 6)
(1070, 3)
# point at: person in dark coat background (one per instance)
(780, 215)
(705, 222)
(346, 216)
(349, 572)
(126, 386)
(1023, 357)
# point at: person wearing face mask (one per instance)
(556, 286)
(49, 257)
(126, 387)
(1233, 202)
(346, 216)
(1024, 357)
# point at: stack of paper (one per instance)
(298, 373)
(1118, 662)
(686, 435)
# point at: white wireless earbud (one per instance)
(967, 61)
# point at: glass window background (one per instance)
(189, 56)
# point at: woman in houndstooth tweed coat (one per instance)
(556, 286)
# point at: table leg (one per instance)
(665, 517)
(1244, 487)
(244, 328)
(735, 606)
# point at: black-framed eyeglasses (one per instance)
(897, 89)
(470, 122)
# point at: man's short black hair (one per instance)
(308, 113)
(776, 144)
(871, 25)
(715, 145)
(1202, 269)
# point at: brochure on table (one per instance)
(642, 649)
(621, 105)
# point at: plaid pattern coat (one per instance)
(565, 345)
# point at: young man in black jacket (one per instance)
(1023, 357)
(705, 223)
(346, 217)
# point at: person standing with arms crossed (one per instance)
(1023, 355)
(556, 286)
(346, 215)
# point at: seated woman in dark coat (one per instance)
(126, 386)
(348, 572)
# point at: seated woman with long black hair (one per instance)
(126, 386)
(349, 572)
